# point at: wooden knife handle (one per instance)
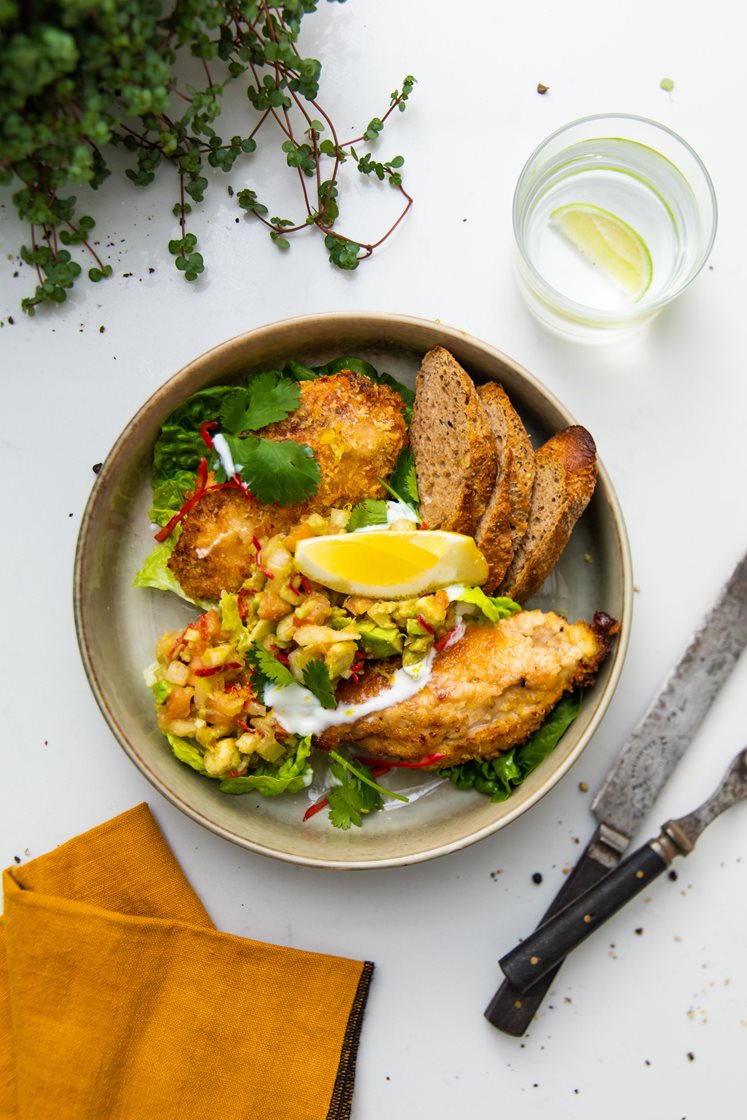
(553, 940)
(510, 1010)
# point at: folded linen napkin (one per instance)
(121, 1001)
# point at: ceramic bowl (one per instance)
(118, 625)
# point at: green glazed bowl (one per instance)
(118, 625)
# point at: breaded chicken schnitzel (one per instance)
(488, 692)
(356, 430)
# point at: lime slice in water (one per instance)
(608, 242)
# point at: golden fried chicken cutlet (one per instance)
(488, 692)
(356, 430)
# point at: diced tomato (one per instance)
(177, 703)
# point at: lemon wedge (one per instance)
(609, 242)
(391, 565)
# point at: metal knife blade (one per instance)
(637, 776)
(640, 771)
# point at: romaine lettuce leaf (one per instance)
(187, 752)
(493, 607)
(289, 777)
(155, 572)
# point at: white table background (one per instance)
(651, 1024)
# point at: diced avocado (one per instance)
(160, 690)
(339, 657)
(262, 629)
(380, 641)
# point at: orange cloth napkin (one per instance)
(121, 1001)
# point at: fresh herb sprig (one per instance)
(77, 79)
(357, 795)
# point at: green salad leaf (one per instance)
(289, 776)
(498, 777)
(179, 446)
(493, 607)
(187, 752)
(169, 495)
(155, 571)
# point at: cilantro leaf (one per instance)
(371, 511)
(317, 679)
(285, 472)
(267, 398)
(349, 802)
(404, 480)
(267, 669)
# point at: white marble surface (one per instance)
(651, 1023)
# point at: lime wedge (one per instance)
(608, 242)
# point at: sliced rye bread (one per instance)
(493, 533)
(451, 438)
(522, 477)
(503, 525)
(565, 476)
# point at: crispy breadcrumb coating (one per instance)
(356, 430)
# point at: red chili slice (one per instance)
(376, 772)
(180, 641)
(205, 429)
(241, 602)
(317, 807)
(211, 670)
(443, 641)
(258, 558)
(427, 761)
(234, 484)
(426, 625)
(200, 489)
(305, 583)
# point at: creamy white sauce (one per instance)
(299, 711)
(455, 591)
(223, 451)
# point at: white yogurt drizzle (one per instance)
(223, 451)
(299, 711)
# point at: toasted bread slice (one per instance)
(521, 482)
(493, 534)
(565, 477)
(451, 438)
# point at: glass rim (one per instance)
(582, 311)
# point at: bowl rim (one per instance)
(377, 321)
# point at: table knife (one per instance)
(640, 771)
(555, 939)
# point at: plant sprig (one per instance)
(76, 79)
